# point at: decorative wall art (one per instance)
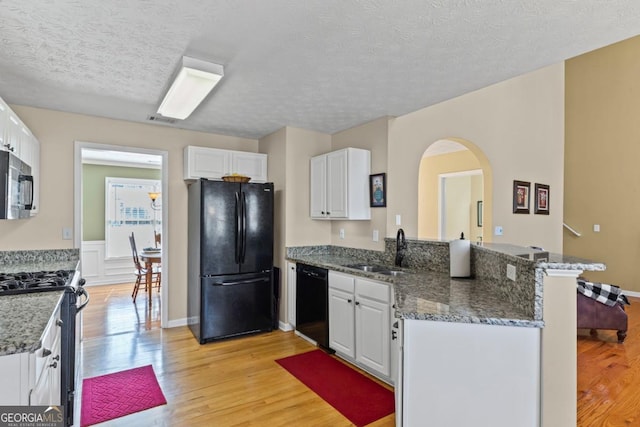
(378, 190)
(541, 205)
(521, 197)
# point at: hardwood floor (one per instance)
(609, 375)
(229, 383)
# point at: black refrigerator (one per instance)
(230, 259)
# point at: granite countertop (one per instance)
(24, 319)
(428, 295)
(29, 266)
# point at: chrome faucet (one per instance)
(401, 245)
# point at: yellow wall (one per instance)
(57, 132)
(602, 172)
(428, 203)
(518, 125)
(371, 136)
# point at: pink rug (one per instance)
(122, 393)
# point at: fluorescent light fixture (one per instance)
(192, 84)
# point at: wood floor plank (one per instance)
(228, 383)
(609, 374)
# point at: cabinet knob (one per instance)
(394, 335)
(322, 212)
(349, 301)
(54, 365)
(59, 322)
(357, 303)
(328, 213)
(57, 357)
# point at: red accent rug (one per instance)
(355, 396)
(122, 393)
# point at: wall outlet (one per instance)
(342, 233)
(66, 233)
(511, 272)
(498, 230)
(398, 220)
(596, 228)
(376, 235)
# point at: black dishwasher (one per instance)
(312, 304)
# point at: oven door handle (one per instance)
(81, 307)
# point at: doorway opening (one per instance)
(454, 192)
(101, 172)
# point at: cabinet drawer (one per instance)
(374, 290)
(341, 281)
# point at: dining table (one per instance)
(150, 258)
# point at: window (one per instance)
(128, 209)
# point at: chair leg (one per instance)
(136, 286)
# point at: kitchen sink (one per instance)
(391, 272)
(366, 267)
(372, 268)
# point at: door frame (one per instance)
(442, 218)
(77, 208)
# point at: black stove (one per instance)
(39, 281)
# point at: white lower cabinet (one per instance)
(34, 378)
(360, 322)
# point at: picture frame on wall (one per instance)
(541, 205)
(378, 190)
(521, 197)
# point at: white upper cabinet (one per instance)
(214, 163)
(16, 137)
(340, 185)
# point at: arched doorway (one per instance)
(454, 192)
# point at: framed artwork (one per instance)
(541, 205)
(521, 197)
(378, 190)
(479, 212)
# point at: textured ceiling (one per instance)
(324, 65)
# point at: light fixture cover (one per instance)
(193, 83)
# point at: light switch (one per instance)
(66, 233)
(342, 233)
(498, 230)
(376, 235)
(596, 228)
(398, 220)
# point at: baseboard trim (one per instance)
(284, 326)
(177, 322)
(631, 294)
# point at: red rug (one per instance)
(122, 393)
(355, 396)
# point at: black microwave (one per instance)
(16, 187)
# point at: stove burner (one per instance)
(25, 282)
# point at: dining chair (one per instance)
(140, 272)
(157, 238)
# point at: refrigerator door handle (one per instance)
(241, 282)
(238, 230)
(244, 226)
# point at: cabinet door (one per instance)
(372, 334)
(337, 184)
(35, 172)
(13, 133)
(341, 326)
(291, 294)
(250, 164)
(202, 162)
(4, 112)
(318, 200)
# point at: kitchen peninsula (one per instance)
(468, 344)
